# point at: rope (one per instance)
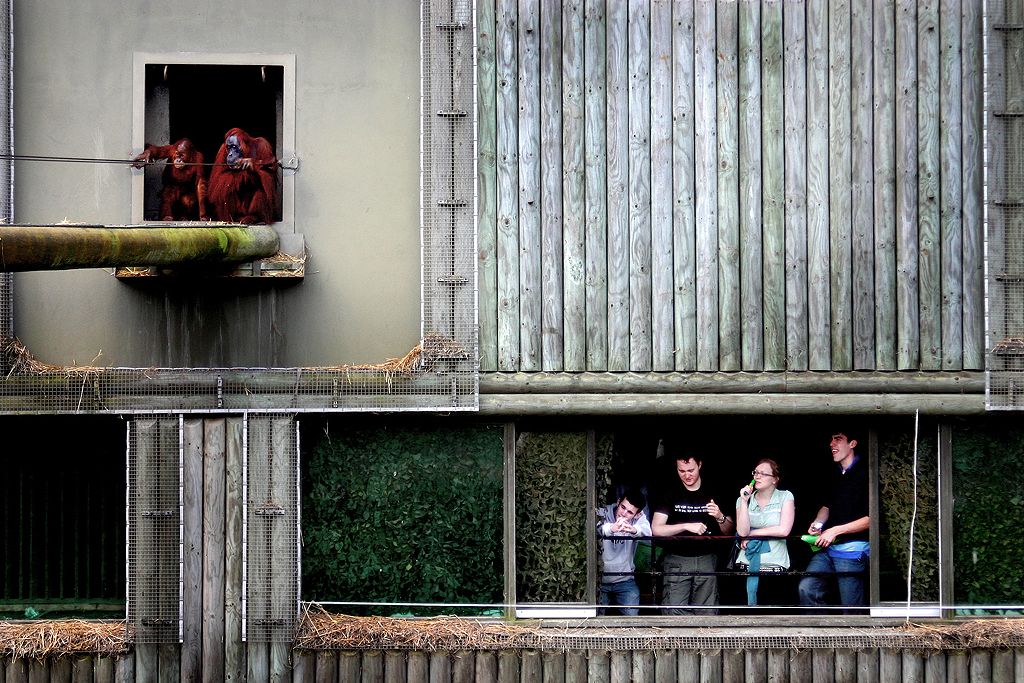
(94, 160)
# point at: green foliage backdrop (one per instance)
(896, 489)
(988, 512)
(404, 515)
(551, 517)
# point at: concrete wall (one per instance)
(356, 191)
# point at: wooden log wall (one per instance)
(854, 665)
(759, 185)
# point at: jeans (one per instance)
(814, 589)
(680, 586)
(620, 593)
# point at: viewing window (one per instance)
(201, 98)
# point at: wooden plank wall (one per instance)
(759, 185)
(862, 665)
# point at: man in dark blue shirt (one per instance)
(841, 526)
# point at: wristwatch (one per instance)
(722, 520)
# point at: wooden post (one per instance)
(373, 666)
(553, 667)
(598, 666)
(867, 666)
(800, 666)
(890, 665)
(440, 667)
(81, 670)
(621, 669)
(665, 666)
(39, 671)
(711, 666)
(755, 665)
(327, 666)
(732, 665)
(913, 667)
(192, 568)
(643, 666)
(823, 665)
(688, 665)
(170, 663)
(349, 666)
(486, 667)
(234, 667)
(508, 667)
(935, 667)
(778, 665)
(846, 666)
(463, 666)
(575, 666)
(213, 548)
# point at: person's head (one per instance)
(630, 505)
(688, 469)
(766, 474)
(842, 446)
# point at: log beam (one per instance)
(65, 247)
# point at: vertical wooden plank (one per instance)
(617, 150)
(729, 313)
(192, 568)
(303, 667)
(349, 666)
(258, 663)
(823, 666)
(867, 666)
(778, 666)
(284, 552)
(598, 666)
(706, 194)
(621, 668)
(773, 189)
(1002, 666)
(419, 668)
(1018, 664)
(595, 145)
(575, 667)
(733, 668)
(981, 666)
(801, 666)
(234, 656)
(665, 663)
(507, 174)
(971, 155)
(553, 667)
(935, 667)
(372, 666)
(951, 184)
(531, 668)
(574, 290)
(485, 666)
(907, 330)
(755, 664)
(643, 667)
(213, 548)
(751, 243)
(395, 667)
(463, 666)
(82, 670)
(38, 671)
(662, 266)
(124, 669)
(146, 662)
(688, 665)
(530, 188)
(639, 189)
(862, 246)
(327, 666)
(711, 666)
(795, 151)
(169, 655)
(819, 334)
(487, 183)
(550, 128)
(890, 665)
(846, 666)
(913, 667)
(17, 671)
(683, 186)
(103, 670)
(884, 164)
(957, 666)
(928, 160)
(839, 173)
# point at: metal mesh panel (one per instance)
(1004, 202)
(271, 529)
(6, 167)
(154, 530)
(448, 165)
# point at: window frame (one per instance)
(286, 144)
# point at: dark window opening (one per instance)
(202, 102)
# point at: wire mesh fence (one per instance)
(1004, 203)
(154, 530)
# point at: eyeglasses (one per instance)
(755, 473)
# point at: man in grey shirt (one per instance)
(620, 526)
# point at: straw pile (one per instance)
(39, 639)
(22, 362)
(319, 630)
(981, 633)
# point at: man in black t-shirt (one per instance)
(688, 512)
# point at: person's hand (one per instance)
(623, 527)
(826, 538)
(743, 544)
(714, 510)
(698, 528)
(814, 529)
(746, 491)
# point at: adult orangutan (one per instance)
(183, 197)
(243, 182)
